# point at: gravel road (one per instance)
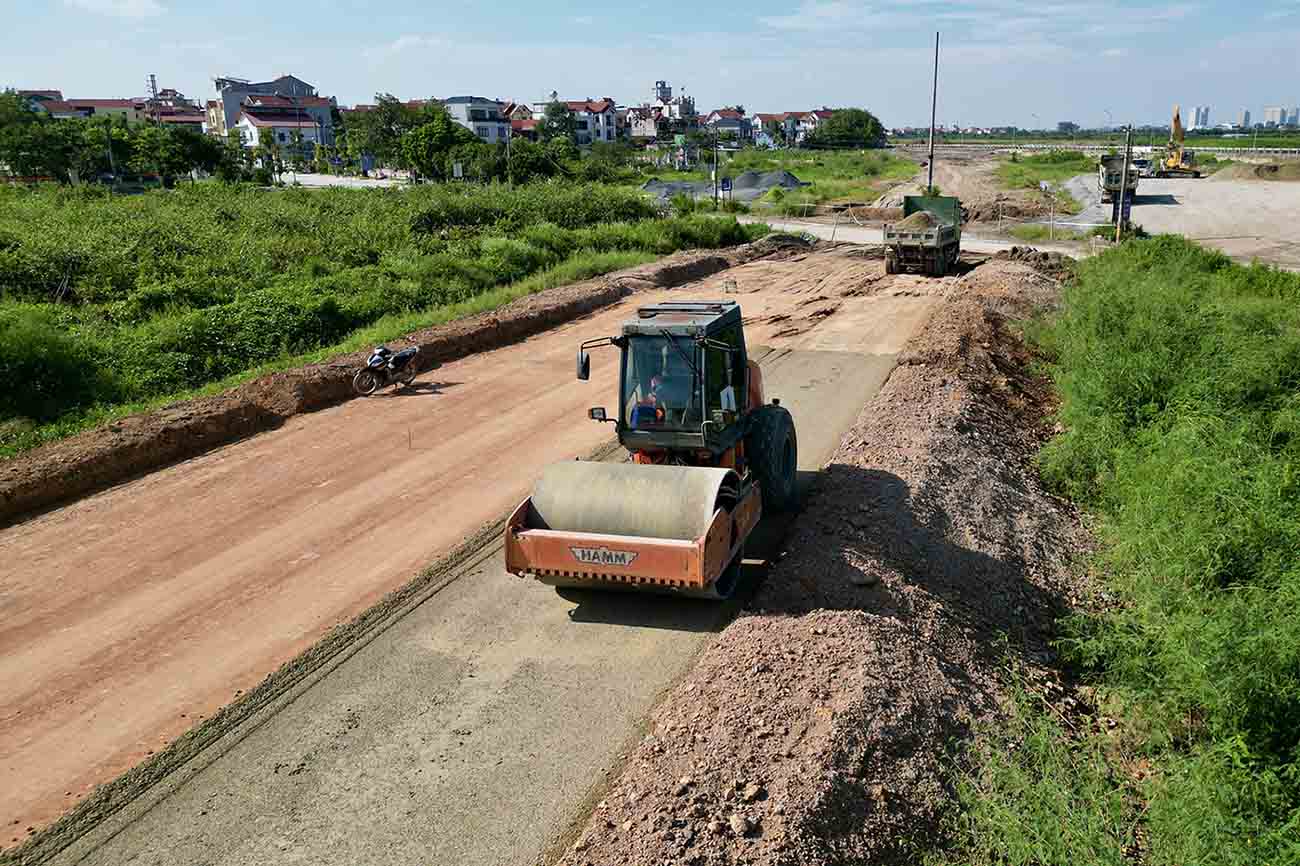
(189, 585)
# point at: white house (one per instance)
(282, 127)
(594, 119)
(480, 115)
(810, 121)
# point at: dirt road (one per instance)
(132, 614)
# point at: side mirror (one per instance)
(584, 366)
(597, 414)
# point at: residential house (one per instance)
(58, 109)
(480, 115)
(130, 109)
(646, 123)
(728, 122)
(513, 111)
(524, 128)
(281, 126)
(31, 97)
(593, 119)
(810, 121)
(780, 128)
(232, 93)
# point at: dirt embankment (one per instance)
(973, 180)
(1268, 171)
(816, 730)
(109, 455)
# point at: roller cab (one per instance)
(707, 456)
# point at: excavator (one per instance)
(707, 455)
(1177, 161)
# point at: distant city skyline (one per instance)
(1003, 62)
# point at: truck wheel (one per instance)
(773, 450)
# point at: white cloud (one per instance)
(813, 15)
(403, 44)
(120, 8)
(584, 20)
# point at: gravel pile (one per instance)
(815, 730)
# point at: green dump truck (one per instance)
(927, 239)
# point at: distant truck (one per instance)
(927, 239)
(1110, 174)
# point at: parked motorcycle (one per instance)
(386, 367)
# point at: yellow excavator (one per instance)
(1177, 161)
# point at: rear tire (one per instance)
(408, 376)
(773, 450)
(365, 382)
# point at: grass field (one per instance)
(113, 303)
(1179, 374)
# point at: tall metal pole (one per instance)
(1123, 182)
(934, 104)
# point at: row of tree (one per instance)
(34, 145)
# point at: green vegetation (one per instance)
(33, 145)
(1179, 374)
(1055, 166)
(1035, 232)
(108, 301)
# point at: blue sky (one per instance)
(1003, 61)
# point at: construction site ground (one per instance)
(470, 720)
(1246, 216)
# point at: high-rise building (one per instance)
(1243, 119)
(1273, 115)
(1295, 117)
(1200, 117)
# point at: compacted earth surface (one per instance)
(469, 716)
(820, 726)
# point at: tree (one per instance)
(424, 148)
(557, 122)
(848, 127)
(268, 151)
(379, 131)
(1067, 127)
(295, 152)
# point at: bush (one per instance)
(1179, 373)
(162, 293)
(45, 368)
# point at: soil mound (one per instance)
(917, 221)
(815, 730)
(1268, 171)
(1054, 265)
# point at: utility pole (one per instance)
(934, 104)
(1123, 182)
(715, 168)
(510, 170)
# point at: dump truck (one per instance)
(927, 239)
(708, 455)
(1110, 174)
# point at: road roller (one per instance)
(706, 455)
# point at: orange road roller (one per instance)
(707, 455)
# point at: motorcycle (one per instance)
(386, 367)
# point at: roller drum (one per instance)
(630, 499)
